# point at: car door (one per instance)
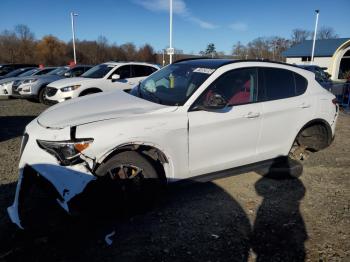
(123, 82)
(285, 109)
(226, 138)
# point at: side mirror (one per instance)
(213, 102)
(67, 74)
(115, 77)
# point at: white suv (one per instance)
(103, 77)
(190, 119)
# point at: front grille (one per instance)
(14, 90)
(50, 91)
(16, 83)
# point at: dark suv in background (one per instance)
(321, 76)
(7, 68)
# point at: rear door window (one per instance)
(278, 83)
(140, 70)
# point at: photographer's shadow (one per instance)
(279, 231)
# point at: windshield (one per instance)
(98, 71)
(59, 71)
(172, 85)
(30, 72)
(17, 72)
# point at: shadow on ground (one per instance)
(196, 222)
(13, 126)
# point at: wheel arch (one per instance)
(314, 122)
(90, 89)
(153, 152)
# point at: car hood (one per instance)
(98, 107)
(69, 81)
(41, 77)
(9, 79)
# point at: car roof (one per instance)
(215, 63)
(116, 63)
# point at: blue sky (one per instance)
(196, 23)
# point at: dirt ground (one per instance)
(246, 217)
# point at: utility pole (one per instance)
(72, 14)
(171, 51)
(315, 33)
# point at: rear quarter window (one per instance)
(300, 84)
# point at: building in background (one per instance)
(333, 54)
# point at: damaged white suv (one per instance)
(190, 119)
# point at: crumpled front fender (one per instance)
(67, 182)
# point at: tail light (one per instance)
(334, 101)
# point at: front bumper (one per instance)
(65, 181)
(55, 95)
(25, 91)
(6, 90)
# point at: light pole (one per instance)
(72, 14)
(315, 33)
(171, 33)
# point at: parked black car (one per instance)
(17, 72)
(321, 76)
(7, 68)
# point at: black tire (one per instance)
(41, 95)
(128, 194)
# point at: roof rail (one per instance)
(193, 58)
(231, 61)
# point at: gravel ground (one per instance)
(246, 217)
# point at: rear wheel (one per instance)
(310, 139)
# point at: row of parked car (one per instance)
(58, 84)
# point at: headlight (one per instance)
(28, 81)
(26, 89)
(66, 152)
(70, 88)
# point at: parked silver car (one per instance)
(7, 82)
(33, 87)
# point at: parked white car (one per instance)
(190, 119)
(103, 77)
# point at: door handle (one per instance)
(305, 105)
(131, 83)
(252, 115)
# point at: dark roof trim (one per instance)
(227, 62)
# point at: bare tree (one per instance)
(26, 43)
(240, 51)
(8, 47)
(300, 35)
(326, 32)
(146, 54)
(51, 51)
